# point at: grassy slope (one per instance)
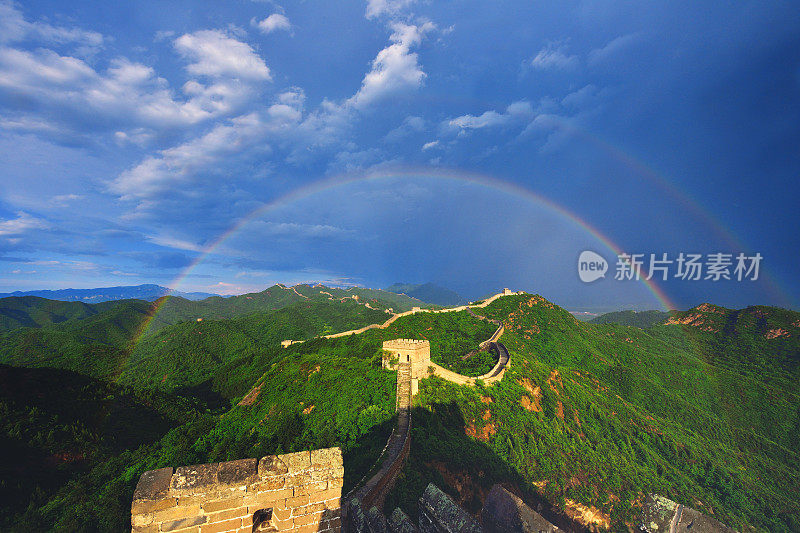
(454, 339)
(35, 312)
(375, 297)
(352, 399)
(669, 410)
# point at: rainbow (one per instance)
(459, 176)
(668, 187)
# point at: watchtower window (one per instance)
(263, 521)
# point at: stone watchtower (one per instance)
(417, 354)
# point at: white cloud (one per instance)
(179, 166)
(274, 22)
(21, 224)
(169, 241)
(353, 160)
(410, 125)
(137, 136)
(121, 273)
(553, 56)
(228, 289)
(429, 145)
(215, 54)
(127, 91)
(515, 112)
(163, 35)
(28, 125)
(14, 27)
(295, 230)
(61, 91)
(64, 200)
(613, 47)
(395, 69)
(581, 97)
(283, 127)
(377, 8)
(555, 129)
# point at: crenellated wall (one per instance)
(298, 492)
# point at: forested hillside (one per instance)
(587, 419)
(704, 411)
(33, 311)
(105, 344)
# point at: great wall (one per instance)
(301, 492)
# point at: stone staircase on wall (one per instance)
(373, 493)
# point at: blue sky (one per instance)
(133, 136)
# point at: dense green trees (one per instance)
(705, 414)
(454, 339)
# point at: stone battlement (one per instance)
(406, 344)
(417, 353)
(298, 492)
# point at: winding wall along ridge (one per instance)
(414, 311)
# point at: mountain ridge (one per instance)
(147, 291)
(428, 292)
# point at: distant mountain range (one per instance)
(639, 319)
(35, 311)
(147, 292)
(428, 292)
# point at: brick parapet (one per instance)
(296, 492)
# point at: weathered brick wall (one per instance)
(298, 492)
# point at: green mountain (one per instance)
(639, 319)
(428, 292)
(95, 346)
(32, 311)
(191, 353)
(103, 346)
(588, 417)
(174, 310)
(320, 393)
(704, 410)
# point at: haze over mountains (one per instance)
(428, 292)
(639, 319)
(147, 292)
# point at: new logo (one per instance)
(591, 266)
